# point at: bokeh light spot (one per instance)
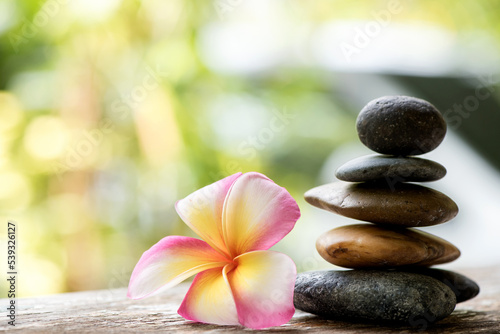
(46, 137)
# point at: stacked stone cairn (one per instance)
(391, 280)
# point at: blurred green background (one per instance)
(110, 111)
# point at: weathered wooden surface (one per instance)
(111, 311)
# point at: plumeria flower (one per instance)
(238, 280)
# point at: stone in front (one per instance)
(373, 295)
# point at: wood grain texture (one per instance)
(111, 311)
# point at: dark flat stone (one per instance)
(463, 287)
(362, 246)
(390, 168)
(402, 204)
(382, 296)
(400, 125)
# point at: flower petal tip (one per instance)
(262, 286)
(209, 300)
(169, 262)
(257, 214)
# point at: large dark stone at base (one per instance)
(463, 287)
(370, 295)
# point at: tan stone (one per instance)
(372, 246)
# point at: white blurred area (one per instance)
(256, 38)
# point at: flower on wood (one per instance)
(238, 280)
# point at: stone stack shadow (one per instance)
(391, 280)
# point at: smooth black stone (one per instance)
(463, 287)
(400, 125)
(373, 295)
(379, 167)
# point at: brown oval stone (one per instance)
(402, 204)
(371, 246)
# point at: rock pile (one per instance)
(391, 280)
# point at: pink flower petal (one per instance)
(262, 284)
(257, 214)
(209, 300)
(202, 211)
(169, 262)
